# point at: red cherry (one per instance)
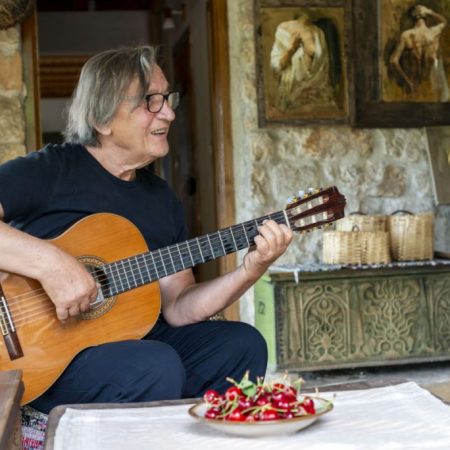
(235, 416)
(245, 402)
(269, 414)
(233, 393)
(288, 415)
(252, 418)
(284, 397)
(210, 396)
(212, 413)
(308, 405)
(263, 400)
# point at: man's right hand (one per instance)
(69, 285)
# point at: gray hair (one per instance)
(103, 84)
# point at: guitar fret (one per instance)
(132, 273)
(146, 268)
(245, 234)
(181, 256)
(190, 254)
(200, 249)
(154, 265)
(210, 246)
(124, 273)
(140, 272)
(234, 240)
(220, 237)
(162, 262)
(171, 260)
(119, 278)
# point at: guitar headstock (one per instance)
(315, 209)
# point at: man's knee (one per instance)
(154, 372)
(246, 338)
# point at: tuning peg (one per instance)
(311, 190)
(301, 194)
(291, 200)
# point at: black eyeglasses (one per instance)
(155, 102)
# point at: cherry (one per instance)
(283, 397)
(236, 416)
(288, 415)
(212, 413)
(210, 396)
(264, 399)
(245, 402)
(233, 393)
(308, 405)
(269, 414)
(252, 418)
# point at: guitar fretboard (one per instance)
(130, 273)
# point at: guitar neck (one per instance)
(130, 273)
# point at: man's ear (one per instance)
(104, 130)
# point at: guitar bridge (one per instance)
(8, 331)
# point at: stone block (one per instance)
(12, 126)
(9, 41)
(11, 151)
(11, 78)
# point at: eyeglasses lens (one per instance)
(155, 102)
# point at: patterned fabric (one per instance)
(34, 425)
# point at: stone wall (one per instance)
(12, 91)
(378, 170)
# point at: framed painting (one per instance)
(302, 59)
(439, 156)
(402, 63)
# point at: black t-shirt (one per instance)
(47, 191)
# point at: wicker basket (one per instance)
(376, 247)
(356, 247)
(342, 247)
(411, 236)
(363, 222)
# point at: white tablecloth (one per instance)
(404, 416)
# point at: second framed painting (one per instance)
(402, 63)
(303, 73)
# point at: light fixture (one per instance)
(169, 14)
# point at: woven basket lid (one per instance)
(13, 12)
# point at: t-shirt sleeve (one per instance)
(26, 184)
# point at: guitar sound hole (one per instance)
(100, 276)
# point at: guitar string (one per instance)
(40, 307)
(159, 266)
(136, 265)
(49, 305)
(171, 250)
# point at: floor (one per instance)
(432, 376)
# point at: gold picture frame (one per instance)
(303, 74)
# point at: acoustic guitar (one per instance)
(128, 304)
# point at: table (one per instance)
(431, 419)
(11, 391)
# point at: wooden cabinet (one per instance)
(355, 317)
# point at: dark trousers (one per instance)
(169, 363)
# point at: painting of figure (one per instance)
(416, 51)
(303, 63)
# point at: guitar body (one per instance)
(49, 345)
